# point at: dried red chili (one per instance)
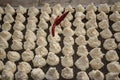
(58, 21)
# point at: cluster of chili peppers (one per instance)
(57, 21)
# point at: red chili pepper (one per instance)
(58, 21)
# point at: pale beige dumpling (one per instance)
(17, 35)
(69, 8)
(16, 45)
(46, 8)
(41, 41)
(90, 15)
(30, 35)
(116, 7)
(43, 24)
(110, 44)
(21, 75)
(103, 24)
(58, 7)
(8, 18)
(111, 55)
(41, 33)
(68, 50)
(18, 26)
(115, 16)
(24, 66)
(33, 18)
(27, 55)
(79, 8)
(82, 63)
(91, 6)
(31, 25)
(6, 26)
(37, 74)
(92, 32)
(13, 56)
(56, 11)
(41, 51)
(96, 75)
(117, 36)
(69, 16)
(1, 65)
(80, 40)
(2, 54)
(1, 10)
(29, 44)
(106, 33)
(10, 66)
(102, 16)
(20, 17)
(68, 41)
(9, 9)
(78, 23)
(94, 42)
(82, 75)
(3, 43)
(80, 31)
(52, 18)
(7, 75)
(6, 35)
(96, 53)
(91, 23)
(33, 11)
(52, 59)
(116, 26)
(38, 61)
(45, 16)
(114, 67)
(52, 74)
(82, 50)
(67, 73)
(58, 30)
(104, 7)
(54, 47)
(96, 63)
(112, 76)
(79, 15)
(66, 23)
(21, 9)
(67, 61)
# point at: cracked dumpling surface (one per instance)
(24, 66)
(94, 42)
(114, 67)
(18, 26)
(16, 45)
(92, 32)
(21, 9)
(2, 54)
(96, 75)
(10, 66)
(38, 61)
(82, 50)
(13, 56)
(6, 26)
(8, 18)
(116, 27)
(112, 76)
(106, 33)
(67, 73)
(115, 16)
(82, 63)
(91, 6)
(102, 16)
(117, 36)
(104, 7)
(28, 35)
(68, 40)
(68, 50)
(7, 75)
(96, 63)
(3, 43)
(17, 35)
(20, 17)
(103, 24)
(9, 9)
(79, 8)
(46, 8)
(82, 75)
(21, 75)
(90, 15)
(80, 40)
(33, 11)
(110, 44)
(96, 53)
(5, 34)
(27, 55)
(111, 55)
(52, 59)
(37, 74)
(29, 44)
(52, 74)
(55, 47)
(41, 51)
(67, 61)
